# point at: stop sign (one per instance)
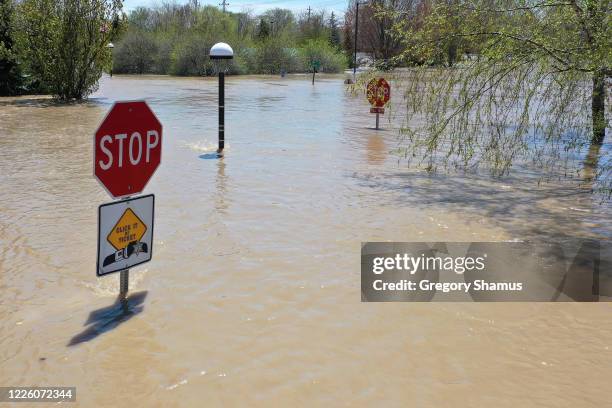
(378, 92)
(127, 148)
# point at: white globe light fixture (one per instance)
(221, 51)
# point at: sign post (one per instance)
(127, 152)
(316, 64)
(124, 283)
(378, 93)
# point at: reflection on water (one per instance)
(253, 291)
(220, 181)
(591, 164)
(376, 149)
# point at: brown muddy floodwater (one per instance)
(253, 294)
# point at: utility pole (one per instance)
(224, 3)
(309, 9)
(355, 53)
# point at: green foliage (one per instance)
(281, 21)
(320, 50)
(136, 53)
(527, 82)
(272, 57)
(10, 74)
(175, 39)
(334, 31)
(190, 57)
(313, 26)
(263, 30)
(63, 44)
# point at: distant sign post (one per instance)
(378, 93)
(316, 64)
(127, 151)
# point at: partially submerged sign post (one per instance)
(315, 64)
(127, 151)
(378, 93)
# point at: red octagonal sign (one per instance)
(127, 148)
(378, 92)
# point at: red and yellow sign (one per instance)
(128, 229)
(379, 92)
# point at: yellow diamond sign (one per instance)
(129, 228)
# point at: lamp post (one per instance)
(221, 51)
(110, 46)
(356, 27)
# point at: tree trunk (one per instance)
(452, 52)
(598, 108)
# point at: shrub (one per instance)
(135, 54)
(331, 60)
(272, 56)
(163, 59)
(190, 57)
(63, 44)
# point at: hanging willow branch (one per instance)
(497, 83)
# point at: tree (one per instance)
(312, 25)
(334, 31)
(348, 40)
(135, 54)
(263, 31)
(245, 24)
(374, 33)
(537, 78)
(282, 19)
(64, 43)
(10, 74)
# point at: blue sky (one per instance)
(337, 6)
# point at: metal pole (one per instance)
(355, 53)
(377, 114)
(124, 280)
(221, 111)
(313, 74)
